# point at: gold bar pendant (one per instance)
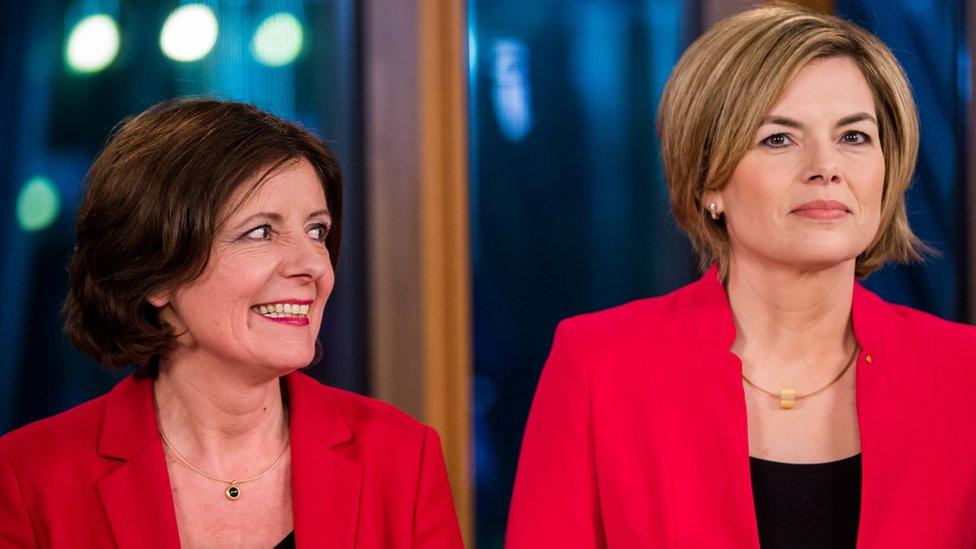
(787, 398)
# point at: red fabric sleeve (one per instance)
(435, 520)
(16, 529)
(555, 502)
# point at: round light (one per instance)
(277, 40)
(189, 33)
(92, 44)
(38, 204)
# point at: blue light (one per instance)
(510, 92)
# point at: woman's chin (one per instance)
(822, 252)
(805, 254)
(284, 365)
(820, 260)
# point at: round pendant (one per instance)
(232, 492)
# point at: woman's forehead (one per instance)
(826, 84)
(293, 188)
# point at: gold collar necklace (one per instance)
(232, 491)
(787, 397)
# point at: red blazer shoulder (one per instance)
(606, 330)
(374, 420)
(928, 329)
(403, 471)
(44, 458)
(41, 445)
(96, 475)
(920, 346)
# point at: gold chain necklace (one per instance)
(788, 397)
(232, 492)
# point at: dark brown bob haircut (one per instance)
(152, 206)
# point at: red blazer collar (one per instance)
(137, 495)
(715, 327)
(138, 500)
(713, 316)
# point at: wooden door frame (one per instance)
(416, 187)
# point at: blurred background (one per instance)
(501, 173)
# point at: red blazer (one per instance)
(637, 435)
(364, 474)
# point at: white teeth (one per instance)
(280, 310)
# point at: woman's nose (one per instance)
(822, 163)
(306, 258)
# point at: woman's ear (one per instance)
(163, 301)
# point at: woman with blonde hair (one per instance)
(775, 402)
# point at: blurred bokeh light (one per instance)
(277, 40)
(189, 33)
(92, 44)
(38, 204)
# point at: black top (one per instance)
(288, 542)
(813, 505)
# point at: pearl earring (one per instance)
(713, 209)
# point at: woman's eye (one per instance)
(777, 140)
(259, 233)
(319, 231)
(856, 138)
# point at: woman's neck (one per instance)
(217, 419)
(796, 319)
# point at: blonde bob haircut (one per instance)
(727, 82)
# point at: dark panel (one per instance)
(569, 210)
(937, 199)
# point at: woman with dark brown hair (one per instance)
(206, 246)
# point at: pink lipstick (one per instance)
(822, 210)
(289, 320)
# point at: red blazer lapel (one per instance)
(137, 495)
(326, 480)
(871, 415)
(724, 396)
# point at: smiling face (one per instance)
(259, 302)
(807, 193)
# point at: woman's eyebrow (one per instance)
(277, 218)
(859, 117)
(782, 121)
(273, 216)
(790, 123)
